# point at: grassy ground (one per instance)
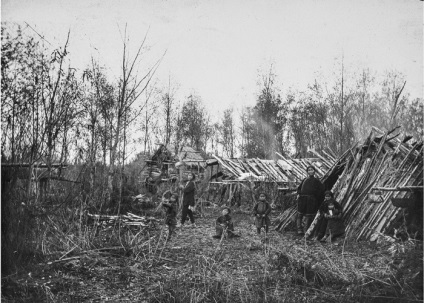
(139, 266)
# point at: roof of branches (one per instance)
(366, 179)
(280, 171)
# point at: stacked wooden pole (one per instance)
(386, 163)
(381, 162)
(274, 171)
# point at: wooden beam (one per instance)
(34, 165)
(399, 188)
(287, 189)
(245, 181)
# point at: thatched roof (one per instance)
(384, 162)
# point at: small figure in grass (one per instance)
(261, 210)
(170, 205)
(332, 226)
(189, 190)
(224, 225)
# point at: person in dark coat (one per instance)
(261, 211)
(170, 205)
(310, 196)
(332, 226)
(188, 199)
(224, 225)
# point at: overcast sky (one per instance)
(218, 48)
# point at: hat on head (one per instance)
(310, 166)
(329, 193)
(262, 193)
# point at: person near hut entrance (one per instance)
(261, 211)
(332, 226)
(310, 196)
(189, 190)
(224, 225)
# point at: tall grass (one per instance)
(296, 273)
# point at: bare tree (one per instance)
(392, 88)
(169, 109)
(124, 109)
(227, 132)
(40, 97)
(194, 123)
(40, 106)
(98, 101)
(246, 132)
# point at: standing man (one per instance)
(310, 196)
(189, 190)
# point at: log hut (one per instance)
(167, 165)
(379, 184)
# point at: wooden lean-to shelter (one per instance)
(283, 171)
(282, 175)
(379, 184)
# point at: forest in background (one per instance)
(53, 113)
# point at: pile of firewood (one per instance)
(129, 220)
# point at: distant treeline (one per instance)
(52, 112)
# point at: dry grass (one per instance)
(90, 263)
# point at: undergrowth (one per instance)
(290, 273)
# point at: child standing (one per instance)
(170, 206)
(332, 211)
(224, 225)
(261, 211)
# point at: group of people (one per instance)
(224, 225)
(312, 198)
(170, 204)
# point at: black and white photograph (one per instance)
(198, 151)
